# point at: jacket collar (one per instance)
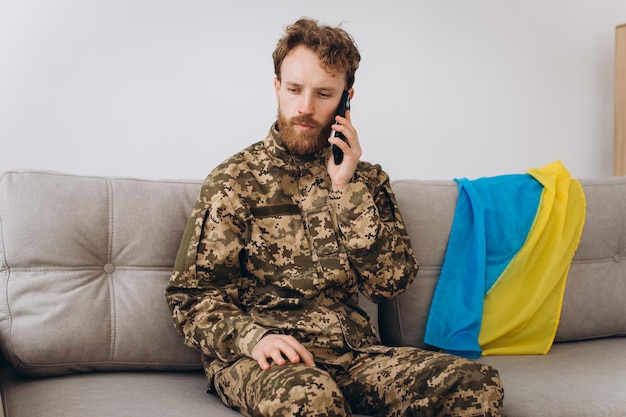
(297, 164)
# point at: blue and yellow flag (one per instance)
(503, 278)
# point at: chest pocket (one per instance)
(294, 250)
(321, 230)
(278, 246)
(327, 252)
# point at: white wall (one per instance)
(170, 88)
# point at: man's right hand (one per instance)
(279, 348)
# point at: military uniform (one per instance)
(270, 248)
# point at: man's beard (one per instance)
(303, 143)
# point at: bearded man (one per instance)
(279, 244)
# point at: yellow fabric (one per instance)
(522, 309)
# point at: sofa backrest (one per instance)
(84, 262)
(594, 303)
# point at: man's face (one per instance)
(308, 97)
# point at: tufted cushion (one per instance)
(594, 303)
(84, 262)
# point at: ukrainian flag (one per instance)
(503, 278)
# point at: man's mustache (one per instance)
(307, 120)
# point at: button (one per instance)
(616, 257)
(109, 268)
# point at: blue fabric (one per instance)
(492, 218)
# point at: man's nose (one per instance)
(306, 104)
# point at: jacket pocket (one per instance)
(321, 228)
(328, 253)
(277, 247)
(297, 251)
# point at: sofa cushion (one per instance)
(84, 262)
(595, 294)
(593, 304)
(577, 379)
(114, 394)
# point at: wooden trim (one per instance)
(619, 129)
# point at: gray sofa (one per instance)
(85, 331)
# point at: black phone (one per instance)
(344, 105)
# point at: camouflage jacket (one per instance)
(269, 247)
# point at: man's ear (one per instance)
(351, 91)
(276, 86)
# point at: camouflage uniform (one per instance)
(270, 248)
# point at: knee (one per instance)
(307, 392)
(479, 389)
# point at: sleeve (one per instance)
(203, 290)
(375, 237)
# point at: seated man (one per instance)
(281, 241)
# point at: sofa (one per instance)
(85, 330)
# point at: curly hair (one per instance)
(334, 46)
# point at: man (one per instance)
(279, 244)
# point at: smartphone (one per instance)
(344, 105)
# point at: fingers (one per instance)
(263, 363)
(306, 356)
(280, 349)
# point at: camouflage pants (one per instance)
(402, 382)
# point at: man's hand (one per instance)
(342, 174)
(277, 347)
